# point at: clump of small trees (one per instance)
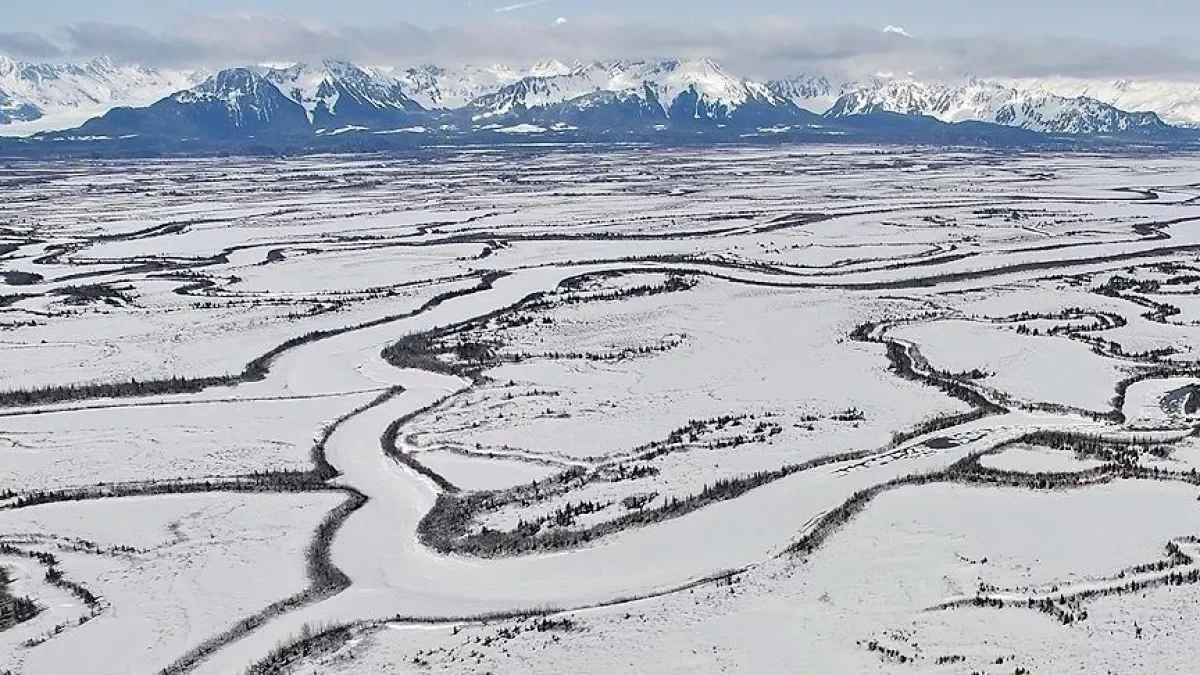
(13, 609)
(82, 295)
(19, 278)
(574, 290)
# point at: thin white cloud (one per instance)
(519, 5)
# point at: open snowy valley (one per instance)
(534, 409)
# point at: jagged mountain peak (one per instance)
(228, 84)
(330, 68)
(337, 93)
(231, 103)
(552, 68)
(701, 65)
(442, 87)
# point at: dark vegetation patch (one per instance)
(13, 298)
(448, 526)
(13, 609)
(92, 293)
(17, 278)
(258, 481)
(308, 645)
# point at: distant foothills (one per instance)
(103, 107)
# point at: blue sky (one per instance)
(758, 37)
(1116, 21)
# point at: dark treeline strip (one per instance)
(610, 357)
(968, 471)
(132, 388)
(940, 423)
(73, 545)
(55, 577)
(446, 528)
(1066, 607)
(1103, 320)
(906, 362)
(1124, 288)
(952, 277)
(1068, 480)
(89, 293)
(312, 643)
(675, 283)
(321, 641)
(322, 469)
(1113, 288)
(627, 468)
(388, 441)
(1175, 558)
(838, 517)
(260, 481)
(258, 368)
(325, 581)
(903, 360)
(899, 284)
(936, 279)
(14, 298)
(1160, 372)
(254, 371)
(421, 351)
(307, 646)
(896, 285)
(173, 227)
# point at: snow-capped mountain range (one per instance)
(332, 97)
(667, 90)
(40, 96)
(1032, 107)
(338, 93)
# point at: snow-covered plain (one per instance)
(196, 563)
(580, 389)
(876, 582)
